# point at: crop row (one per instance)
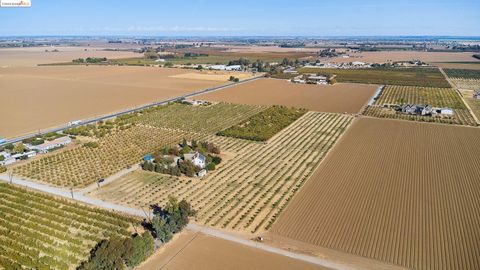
(39, 231)
(437, 97)
(248, 191)
(81, 166)
(201, 119)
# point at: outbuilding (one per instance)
(49, 145)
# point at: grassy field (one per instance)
(38, 231)
(200, 119)
(400, 192)
(463, 73)
(249, 189)
(262, 126)
(437, 97)
(338, 98)
(427, 77)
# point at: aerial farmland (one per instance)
(202, 135)
(365, 203)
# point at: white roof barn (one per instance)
(49, 145)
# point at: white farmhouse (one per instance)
(196, 158)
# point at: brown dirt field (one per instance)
(399, 192)
(198, 251)
(385, 56)
(338, 98)
(15, 57)
(42, 97)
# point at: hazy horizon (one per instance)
(344, 18)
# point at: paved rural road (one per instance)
(143, 214)
(108, 116)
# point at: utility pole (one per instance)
(10, 175)
(71, 191)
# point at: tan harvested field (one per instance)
(399, 192)
(16, 57)
(387, 56)
(201, 252)
(213, 75)
(338, 98)
(42, 97)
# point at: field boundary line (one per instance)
(62, 193)
(454, 86)
(339, 139)
(178, 252)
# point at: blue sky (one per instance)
(244, 17)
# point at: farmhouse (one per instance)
(316, 79)
(49, 145)
(233, 68)
(194, 102)
(424, 110)
(476, 94)
(290, 70)
(5, 154)
(196, 158)
(10, 159)
(299, 79)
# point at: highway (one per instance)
(112, 115)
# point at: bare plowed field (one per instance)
(399, 192)
(15, 57)
(201, 252)
(42, 97)
(338, 98)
